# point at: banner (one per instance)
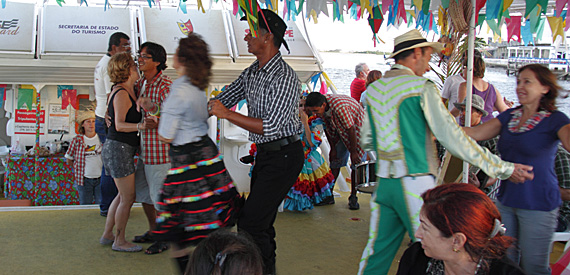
(82, 30)
(25, 122)
(17, 25)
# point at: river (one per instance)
(340, 68)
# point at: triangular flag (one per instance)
(3, 92)
(314, 80)
(63, 87)
(386, 5)
(531, 4)
(540, 28)
(534, 18)
(526, 34)
(493, 9)
(69, 97)
(25, 97)
(560, 6)
(31, 87)
(514, 28)
(494, 26)
(557, 27)
(324, 88)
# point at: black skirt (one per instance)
(198, 195)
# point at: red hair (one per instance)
(463, 208)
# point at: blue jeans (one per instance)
(108, 188)
(533, 230)
(89, 191)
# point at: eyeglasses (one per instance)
(126, 46)
(144, 56)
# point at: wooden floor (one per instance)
(325, 240)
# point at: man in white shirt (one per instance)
(118, 42)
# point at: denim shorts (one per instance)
(118, 158)
(342, 155)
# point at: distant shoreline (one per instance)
(360, 52)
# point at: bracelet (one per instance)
(156, 112)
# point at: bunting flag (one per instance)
(63, 87)
(402, 18)
(531, 4)
(540, 29)
(418, 4)
(315, 79)
(445, 3)
(328, 80)
(494, 26)
(560, 6)
(478, 6)
(182, 6)
(410, 14)
(480, 20)
(59, 2)
(534, 19)
(425, 6)
(526, 33)
(84, 1)
(324, 89)
(337, 12)
(30, 87)
(386, 5)
(493, 9)
(250, 9)
(3, 92)
(317, 7)
(514, 28)
(69, 97)
(3, 4)
(289, 10)
(442, 21)
(557, 27)
(25, 97)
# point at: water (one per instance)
(340, 69)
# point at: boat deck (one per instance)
(325, 240)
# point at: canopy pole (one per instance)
(469, 85)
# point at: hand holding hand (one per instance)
(150, 122)
(216, 108)
(522, 173)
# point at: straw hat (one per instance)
(411, 40)
(477, 102)
(82, 116)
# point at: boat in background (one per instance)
(512, 57)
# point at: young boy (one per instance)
(85, 154)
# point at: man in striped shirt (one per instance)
(272, 90)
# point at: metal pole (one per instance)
(469, 88)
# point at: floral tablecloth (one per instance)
(55, 186)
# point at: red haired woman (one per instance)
(461, 233)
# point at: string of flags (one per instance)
(395, 13)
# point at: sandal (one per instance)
(144, 238)
(156, 248)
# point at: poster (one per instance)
(58, 120)
(25, 122)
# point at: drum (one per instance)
(365, 176)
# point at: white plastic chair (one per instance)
(561, 237)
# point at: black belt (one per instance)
(276, 145)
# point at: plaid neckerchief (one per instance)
(529, 124)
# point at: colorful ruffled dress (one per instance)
(198, 195)
(316, 179)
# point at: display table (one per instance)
(55, 186)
